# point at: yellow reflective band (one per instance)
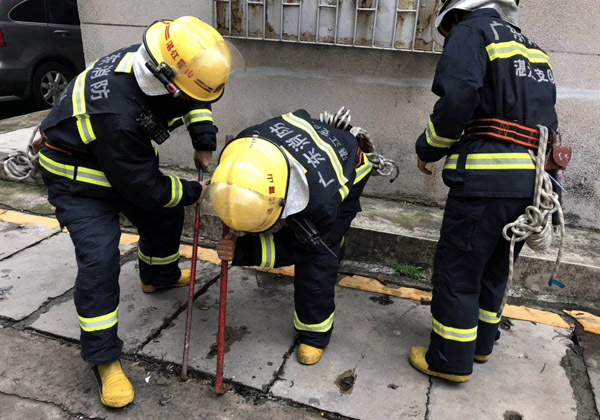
(512, 48)
(98, 323)
(267, 244)
(342, 241)
(126, 63)
(456, 334)
(437, 141)
(289, 155)
(322, 327)
(363, 170)
(158, 260)
(154, 147)
(78, 96)
(489, 317)
(325, 147)
(173, 121)
(90, 176)
(176, 191)
(451, 162)
(197, 115)
(344, 191)
(84, 126)
(484, 161)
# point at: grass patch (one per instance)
(409, 270)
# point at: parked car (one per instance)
(40, 48)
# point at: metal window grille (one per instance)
(400, 25)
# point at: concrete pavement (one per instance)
(537, 371)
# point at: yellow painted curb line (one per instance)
(515, 312)
(128, 239)
(590, 323)
(18, 218)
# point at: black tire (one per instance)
(48, 80)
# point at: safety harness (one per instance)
(508, 131)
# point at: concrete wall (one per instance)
(387, 91)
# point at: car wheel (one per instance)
(47, 82)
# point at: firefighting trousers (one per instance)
(93, 225)
(316, 276)
(470, 272)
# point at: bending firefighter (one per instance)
(100, 159)
(495, 86)
(311, 175)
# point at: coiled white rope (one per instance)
(341, 119)
(535, 225)
(20, 165)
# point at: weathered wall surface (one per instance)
(387, 91)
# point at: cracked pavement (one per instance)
(537, 371)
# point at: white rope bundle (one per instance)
(20, 165)
(341, 120)
(535, 225)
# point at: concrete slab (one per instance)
(13, 141)
(14, 238)
(524, 375)
(38, 368)
(37, 274)
(140, 314)
(20, 408)
(259, 329)
(371, 340)
(591, 356)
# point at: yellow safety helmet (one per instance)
(250, 184)
(192, 55)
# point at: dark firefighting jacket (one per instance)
(96, 147)
(488, 71)
(332, 163)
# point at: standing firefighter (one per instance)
(311, 175)
(99, 159)
(495, 86)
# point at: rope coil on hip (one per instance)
(535, 225)
(20, 165)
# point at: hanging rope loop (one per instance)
(535, 225)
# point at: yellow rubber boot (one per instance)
(416, 357)
(309, 355)
(479, 358)
(115, 389)
(184, 280)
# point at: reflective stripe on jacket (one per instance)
(488, 69)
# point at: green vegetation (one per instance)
(409, 270)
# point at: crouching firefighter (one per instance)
(495, 87)
(311, 175)
(100, 159)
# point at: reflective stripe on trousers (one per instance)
(489, 317)
(158, 260)
(97, 323)
(456, 334)
(321, 327)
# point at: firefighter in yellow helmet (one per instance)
(100, 159)
(310, 175)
